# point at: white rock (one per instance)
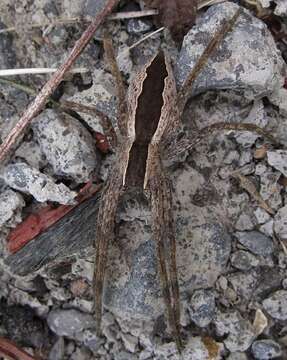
(10, 204)
(67, 145)
(280, 223)
(278, 159)
(239, 331)
(22, 177)
(276, 305)
(130, 342)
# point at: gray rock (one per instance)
(243, 260)
(22, 177)
(280, 8)
(270, 190)
(261, 216)
(138, 26)
(280, 223)
(244, 222)
(57, 351)
(130, 342)
(245, 283)
(67, 145)
(69, 323)
(266, 349)
(256, 242)
(277, 159)
(247, 58)
(11, 204)
(239, 331)
(202, 307)
(276, 305)
(8, 58)
(237, 356)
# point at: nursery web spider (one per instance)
(148, 119)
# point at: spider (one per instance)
(147, 120)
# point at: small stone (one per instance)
(267, 228)
(261, 215)
(138, 26)
(244, 222)
(260, 322)
(276, 305)
(244, 260)
(284, 284)
(78, 287)
(130, 342)
(69, 322)
(11, 204)
(237, 356)
(240, 333)
(280, 223)
(198, 348)
(260, 153)
(22, 177)
(244, 283)
(91, 340)
(67, 145)
(83, 268)
(57, 351)
(202, 307)
(278, 159)
(266, 349)
(256, 242)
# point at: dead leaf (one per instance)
(177, 15)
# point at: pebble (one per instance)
(276, 305)
(22, 177)
(237, 356)
(244, 222)
(266, 349)
(202, 307)
(261, 215)
(130, 342)
(11, 204)
(278, 159)
(256, 242)
(55, 132)
(239, 331)
(244, 260)
(260, 322)
(138, 26)
(69, 322)
(280, 223)
(58, 349)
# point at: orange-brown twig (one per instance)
(11, 351)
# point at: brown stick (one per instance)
(11, 351)
(55, 80)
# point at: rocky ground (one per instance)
(231, 242)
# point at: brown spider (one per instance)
(147, 121)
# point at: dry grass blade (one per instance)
(14, 72)
(36, 106)
(11, 351)
(185, 91)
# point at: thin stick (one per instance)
(39, 102)
(13, 72)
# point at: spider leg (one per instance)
(163, 230)
(176, 147)
(120, 86)
(105, 233)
